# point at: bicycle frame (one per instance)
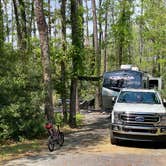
(55, 136)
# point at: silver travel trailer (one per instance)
(155, 83)
(126, 77)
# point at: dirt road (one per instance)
(90, 146)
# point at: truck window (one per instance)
(138, 97)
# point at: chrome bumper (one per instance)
(140, 133)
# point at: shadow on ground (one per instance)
(94, 132)
(90, 134)
(143, 145)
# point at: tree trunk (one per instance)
(73, 88)
(49, 19)
(81, 23)
(77, 42)
(44, 43)
(1, 27)
(120, 51)
(63, 67)
(63, 91)
(7, 22)
(33, 21)
(141, 34)
(87, 26)
(95, 34)
(97, 54)
(18, 26)
(73, 96)
(22, 33)
(30, 24)
(100, 28)
(158, 66)
(12, 29)
(105, 40)
(24, 44)
(114, 48)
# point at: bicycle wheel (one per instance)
(60, 138)
(51, 144)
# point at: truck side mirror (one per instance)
(114, 99)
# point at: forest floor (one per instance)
(90, 145)
(90, 134)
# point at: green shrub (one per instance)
(17, 122)
(59, 119)
(20, 97)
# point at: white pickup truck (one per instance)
(138, 115)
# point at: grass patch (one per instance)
(20, 149)
(79, 119)
(12, 150)
(59, 119)
(65, 127)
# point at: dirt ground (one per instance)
(93, 140)
(94, 136)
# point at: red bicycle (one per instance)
(56, 137)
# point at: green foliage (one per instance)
(77, 55)
(89, 62)
(21, 121)
(122, 29)
(163, 93)
(59, 119)
(153, 23)
(20, 97)
(21, 85)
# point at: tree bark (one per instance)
(23, 25)
(105, 40)
(44, 43)
(49, 19)
(95, 35)
(73, 107)
(100, 28)
(30, 24)
(1, 27)
(87, 26)
(77, 42)
(22, 33)
(63, 67)
(12, 29)
(33, 21)
(120, 51)
(73, 88)
(7, 22)
(18, 26)
(141, 34)
(97, 54)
